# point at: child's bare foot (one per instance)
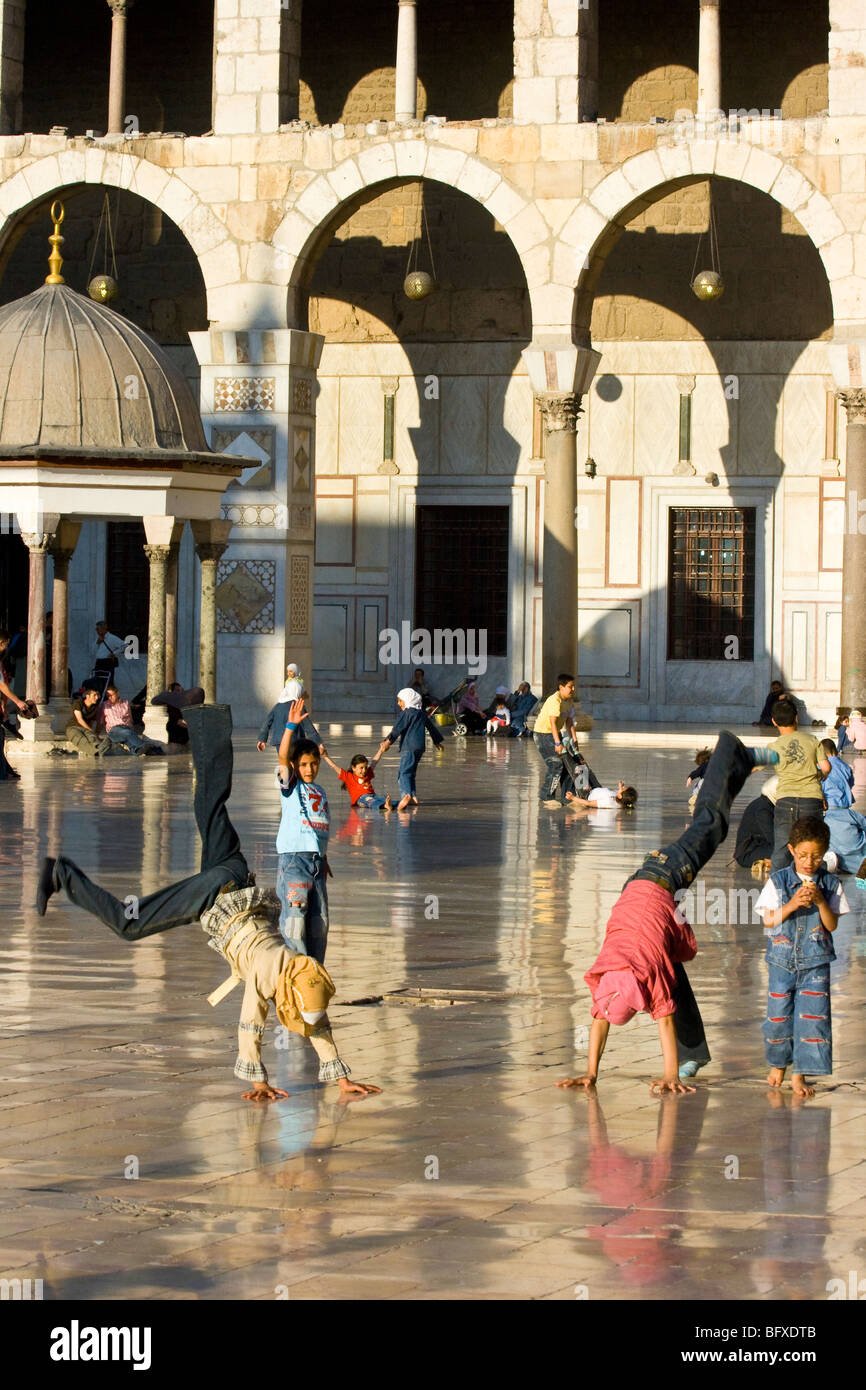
(404, 802)
(415, 800)
(387, 805)
(775, 1076)
(800, 1086)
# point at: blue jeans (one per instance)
(128, 738)
(409, 760)
(798, 1029)
(303, 894)
(677, 864)
(371, 802)
(788, 810)
(553, 781)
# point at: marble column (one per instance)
(709, 57)
(117, 78)
(407, 61)
(157, 556)
(38, 540)
(559, 595)
(62, 551)
(211, 543)
(852, 693)
(171, 608)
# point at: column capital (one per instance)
(157, 553)
(211, 550)
(560, 411)
(854, 401)
(120, 8)
(38, 541)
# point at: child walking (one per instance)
(800, 906)
(411, 728)
(800, 789)
(302, 843)
(358, 781)
(640, 966)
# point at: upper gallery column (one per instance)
(709, 57)
(555, 61)
(407, 61)
(117, 79)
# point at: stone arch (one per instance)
(214, 249)
(596, 224)
(318, 207)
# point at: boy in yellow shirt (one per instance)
(800, 792)
(554, 716)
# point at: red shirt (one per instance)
(357, 786)
(646, 934)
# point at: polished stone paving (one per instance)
(472, 1176)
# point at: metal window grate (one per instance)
(461, 571)
(711, 582)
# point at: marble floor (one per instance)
(131, 1168)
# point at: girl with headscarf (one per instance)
(469, 711)
(411, 730)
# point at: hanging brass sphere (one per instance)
(708, 285)
(418, 284)
(103, 288)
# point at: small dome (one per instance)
(76, 377)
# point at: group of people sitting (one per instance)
(100, 725)
(506, 713)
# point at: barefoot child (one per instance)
(358, 781)
(302, 843)
(640, 966)
(411, 728)
(239, 918)
(800, 906)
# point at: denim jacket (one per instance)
(801, 941)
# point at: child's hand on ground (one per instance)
(263, 1092)
(672, 1084)
(573, 1082)
(354, 1090)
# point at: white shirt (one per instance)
(603, 798)
(769, 900)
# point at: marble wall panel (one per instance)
(464, 424)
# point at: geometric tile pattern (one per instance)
(244, 393)
(245, 595)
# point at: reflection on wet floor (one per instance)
(472, 1176)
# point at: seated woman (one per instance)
(469, 711)
(521, 704)
(847, 827)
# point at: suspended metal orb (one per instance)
(103, 288)
(418, 284)
(708, 285)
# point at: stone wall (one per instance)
(348, 54)
(357, 289)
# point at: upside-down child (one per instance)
(302, 842)
(239, 919)
(411, 730)
(800, 906)
(640, 965)
(358, 781)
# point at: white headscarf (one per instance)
(292, 690)
(411, 698)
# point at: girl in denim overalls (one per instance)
(800, 906)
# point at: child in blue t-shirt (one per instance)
(411, 729)
(800, 906)
(302, 844)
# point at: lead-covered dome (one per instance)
(78, 378)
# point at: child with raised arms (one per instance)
(302, 843)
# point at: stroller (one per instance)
(444, 712)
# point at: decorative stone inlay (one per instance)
(300, 475)
(686, 385)
(854, 402)
(253, 442)
(244, 393)
(560, 412)
(301, 518)
(245, 596)
(299, 591)
(271, 514)
(302, 396)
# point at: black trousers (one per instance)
(688, 1024)
(222, 862)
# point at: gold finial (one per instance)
(55, 260)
